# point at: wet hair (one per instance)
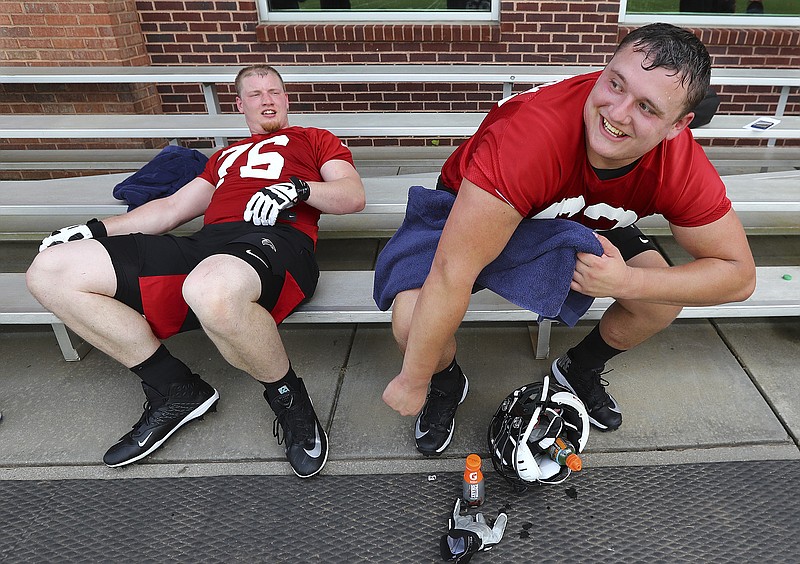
(675, 49)
(255, 70)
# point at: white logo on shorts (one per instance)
(267, 243)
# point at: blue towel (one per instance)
(534, 271)
(169, 170)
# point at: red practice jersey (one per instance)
(530, 151)
(240, 170)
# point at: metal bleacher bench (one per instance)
(426, 124)
(767, 203)
(363, 124)
(346, 296)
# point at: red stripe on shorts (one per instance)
(290, 298)
(163, 304)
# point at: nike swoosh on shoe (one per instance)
(418, 433)
(317, 450)
(147, 438)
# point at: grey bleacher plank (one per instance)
(751, 156)
(61, 196)
(40, 206)
(291, 73)
(363, 156)
(757, 190)
(78, 159)
(365, 124)
(116, 74)
(765, 202)
(738, 76)
(134, 159)
(346, 297)
(732, 126)
(359, 73)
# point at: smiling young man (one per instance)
(123, 285)
(604, 150)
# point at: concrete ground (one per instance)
(699, 391)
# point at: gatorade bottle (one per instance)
(473, 481)
(563, 452)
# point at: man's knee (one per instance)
(206, 293)
(41, 272)
(628, 323)
(214, 290)
(80, 266)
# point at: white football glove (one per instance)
(91, 230)
(470, 534)
(265, 205)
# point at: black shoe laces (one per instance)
(145, 418)
(293, 420)
(162, 412)
(596, 388)
(440, 407)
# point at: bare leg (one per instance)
(76, 281)
(402, 312)
(223, 291)
(627, 323)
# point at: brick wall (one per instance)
(529, 32)
(74, 33)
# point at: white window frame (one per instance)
(727, 20)
(443, 16)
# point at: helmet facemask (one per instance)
(526, 424)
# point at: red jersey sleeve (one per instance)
(692, 192)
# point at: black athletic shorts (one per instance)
(629, 240)
(151, 269)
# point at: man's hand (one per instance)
(265, 205)
(602, 276)
(91, 230)
(405, 397)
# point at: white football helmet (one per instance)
(527, 423)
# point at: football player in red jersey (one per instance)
(123, 283)
(604, 150)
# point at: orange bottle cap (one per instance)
(574, 462)
(473, 462)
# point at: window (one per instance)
(378, 11)
(738, 13)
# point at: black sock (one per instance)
(449, 379)
(162, 370)
(289, 382)
(592, 351)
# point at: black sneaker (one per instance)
(296, 427)
(161, 418)
(436, 422)
(604, 412)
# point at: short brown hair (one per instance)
(675, 49)
(255, 70)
